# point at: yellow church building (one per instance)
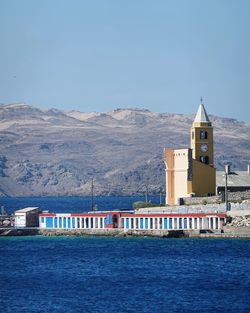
(191, 172)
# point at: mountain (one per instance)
(52, 152)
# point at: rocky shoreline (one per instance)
(238, 226)
(228, 232)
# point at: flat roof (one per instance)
(25, 210)
(234, 179)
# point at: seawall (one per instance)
(228, 232)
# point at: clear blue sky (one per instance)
(98, 55)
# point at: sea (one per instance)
(76, 204)
(106, 274)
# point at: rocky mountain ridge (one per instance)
(53, 152)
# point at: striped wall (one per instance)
(132, 221)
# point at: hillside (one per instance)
(57, 153)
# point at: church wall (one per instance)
(181, 173)
(204, 179)
(169, 163)
(177, 164)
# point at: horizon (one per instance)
(98, 56)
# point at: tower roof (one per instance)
(201, 115)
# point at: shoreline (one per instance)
(243, 232)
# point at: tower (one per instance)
(202, 137)
(191, 171)
(202, 145)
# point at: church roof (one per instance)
(201, 115)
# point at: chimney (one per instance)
(248, 169)
(227, 169)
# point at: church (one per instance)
(191, 172)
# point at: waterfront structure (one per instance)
(132, 221)
(27, 217)
(191, 171)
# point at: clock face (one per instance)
(204, 147)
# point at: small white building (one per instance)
(27, 217)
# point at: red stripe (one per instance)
(175, 215)
(73, 214)
(47, 214)
(222, 215)
(88, 214)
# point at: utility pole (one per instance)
(160, 196)
(146, 193)
(226, 192)
(92, 194)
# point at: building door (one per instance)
(115, 221)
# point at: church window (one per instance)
(204, 159)
(192, 135)
(203, 134)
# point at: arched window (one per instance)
(204, 159)
(203, 134)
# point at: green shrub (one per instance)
(141, 204)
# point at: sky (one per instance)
(99, 55)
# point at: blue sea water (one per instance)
(73, 204)
(87, 274)
(92, 274)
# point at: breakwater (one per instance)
(228, 232)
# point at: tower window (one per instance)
(203, 134)
(204, 159)
(192, 135)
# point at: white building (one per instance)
(27, 217)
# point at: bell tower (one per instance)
(202, 137)
(191, 172)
